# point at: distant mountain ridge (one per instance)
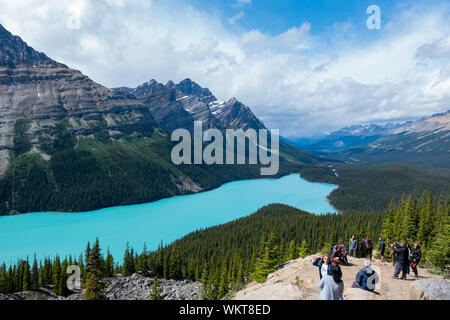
(425, 142)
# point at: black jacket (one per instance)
(402, 255)
(416, 255)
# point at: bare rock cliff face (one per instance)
(42, 93)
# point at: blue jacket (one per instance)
(362, 277)
(319, 264)
(382, 246)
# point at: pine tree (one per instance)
(26, 276)
(409, 225)
(293, 251)
(175, 263)
(205, 282)
(63, 279)
(156, 293)
(304, 250)
(388, 224)
(128, 267)
(439, 253)
(109, 265)
(268, 261)
(56, 276)
(35, 275)
(4, 285)
(425, 221)
(94, 273)
(223, 284)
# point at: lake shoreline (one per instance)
(169, 219)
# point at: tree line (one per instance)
(425, 221)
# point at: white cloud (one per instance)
(241, 3)
(296, 81)
(236, 17)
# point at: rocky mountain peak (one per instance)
(14, 51)
(170, 85)
(189, 87)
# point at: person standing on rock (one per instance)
(331, 286)
(382, 248)
(402, 260)
(353, 245)
(416, 256)
(367, 247)
(324, 265)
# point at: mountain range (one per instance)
(68, 143)
(424, 142)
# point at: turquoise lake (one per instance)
(48, 234)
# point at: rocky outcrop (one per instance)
(134, 287)
(185, 184)
(298, 280)
(234, 114)
(138, 287)
(430, 289)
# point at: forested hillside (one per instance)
(370, 188)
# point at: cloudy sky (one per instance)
(303, 66)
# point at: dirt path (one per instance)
(298, 279)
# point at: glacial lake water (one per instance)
(48, 234)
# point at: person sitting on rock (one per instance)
(324, 265)
(366, 278)
(343, 254)
(332, 287)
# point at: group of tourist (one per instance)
(405, 259)
(330, 273)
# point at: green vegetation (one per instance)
(156, 293)
(95, 271)
(21, 141)
(370, 188)
(267, 262)
(419, 219)
(21, 126)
